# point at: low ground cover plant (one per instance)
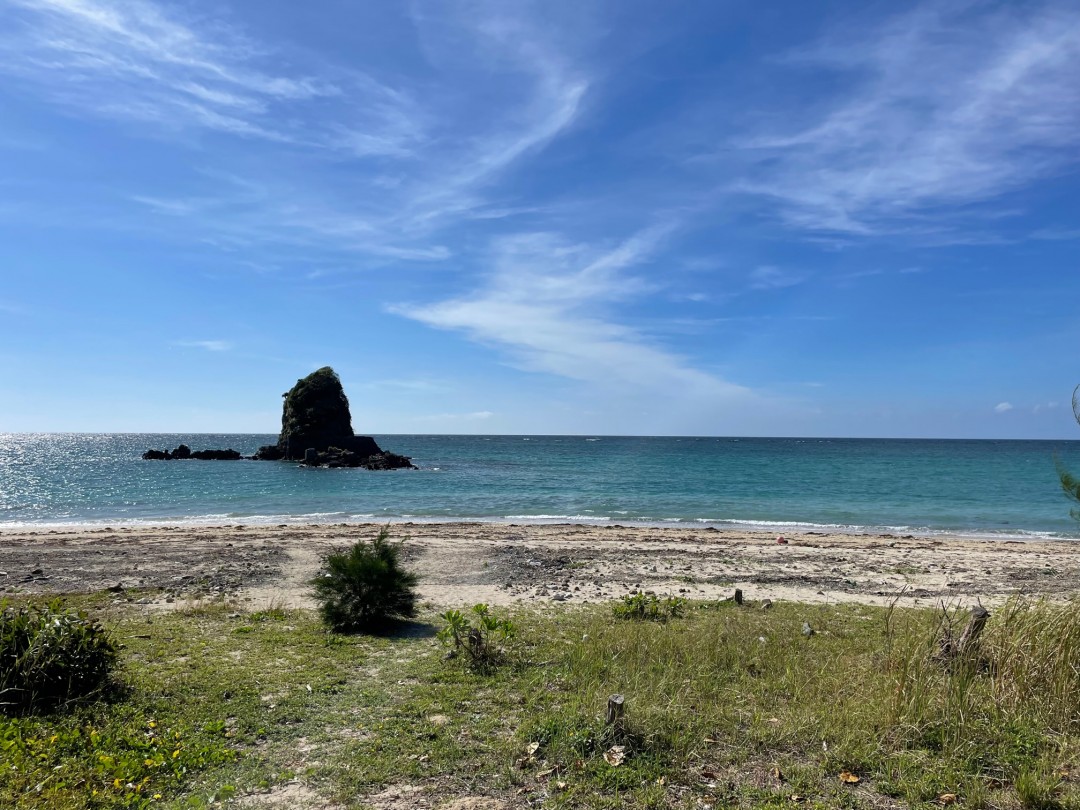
(51, 656)
(366, 587)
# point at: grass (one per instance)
(726, 706)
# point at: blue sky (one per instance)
(715, 218)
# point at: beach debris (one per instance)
(781, 541)
(766, 604)
(615, 756)
(807, 630)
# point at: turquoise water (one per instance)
(919, 486)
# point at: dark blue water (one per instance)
(972, 487)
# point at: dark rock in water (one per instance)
(316, 415)
(336, 457)
(215, 455)
(269, 452)
(316, 428)
(183, 452)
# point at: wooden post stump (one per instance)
(952, 651)
(969, 639)
(738, 596)
(615, 707)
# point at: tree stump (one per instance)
(615, 707)
(969, 639)
(952, 651)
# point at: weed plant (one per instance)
(50, 656)
(649, 607)
(365, 588)
(482, 638)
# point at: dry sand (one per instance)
(464, 563)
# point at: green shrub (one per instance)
(365, 588)
(649, 607)
(50, 656)
(482, 638)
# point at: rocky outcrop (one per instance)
(183, 452)
(336, 457)
(316, 429)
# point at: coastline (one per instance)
(752, 527)
(504, 563)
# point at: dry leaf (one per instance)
(661, 780)
(546, 774)
(777, 775)
(532, 748)
(795, 797)
(615, 755)
(560, 785)
(848, 778)
(711, 740)
(947, 798)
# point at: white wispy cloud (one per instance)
(546, 304)
(768, 277)
(502, 87)
(1056, 234)
(1003, 407)
(136, 60)
(208, 345)
(949, 105)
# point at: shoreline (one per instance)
(678, 524)
(461, 563)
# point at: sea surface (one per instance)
(979, 488)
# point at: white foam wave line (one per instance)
(319, 518)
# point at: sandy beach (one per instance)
(465, 563)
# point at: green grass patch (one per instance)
(726, 706)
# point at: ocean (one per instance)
(977, 488)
